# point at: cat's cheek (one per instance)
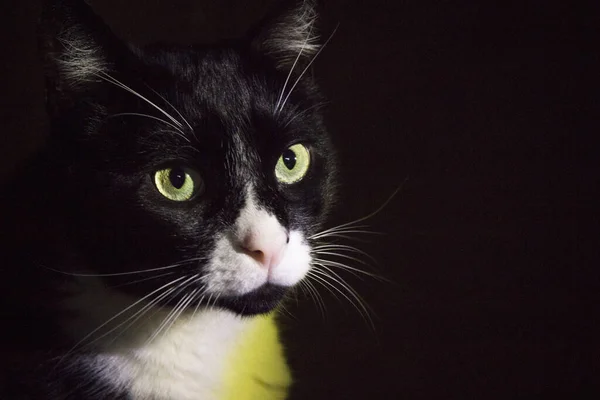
(295, 263)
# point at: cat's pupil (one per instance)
(177, 177)
(289, 159)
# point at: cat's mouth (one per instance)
(259, 301)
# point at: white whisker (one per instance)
(292, 69)
(190, 298)
(136, 316)
(318, 280)
(116, 82)
(140, 280)
(355, 271)
(180, 303)
(209, 300)
(178, 131)
(179, 264)
(337, 278)
(173, 107)
(306, 68)
(302, 113)
(336, 236)
(344, 231)
(331, 253)
(341, 247)
(338, 227)
(116, 316)
(356, 221)
(283, 310)
(355, 299)
(199, 301)
(166, 320)
(315, 296)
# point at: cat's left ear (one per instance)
(76, 47)
(289, 35)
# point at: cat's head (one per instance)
(207, 168)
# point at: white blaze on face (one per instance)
(255, 251)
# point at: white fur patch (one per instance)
(233, 272)
(187, 361)
(82, 59)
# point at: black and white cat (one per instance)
(175, 202)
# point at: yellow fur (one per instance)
(257, 368)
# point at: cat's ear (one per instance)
(75, 45)
(289, 34)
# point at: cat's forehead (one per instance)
(224, 104)
(227, 82)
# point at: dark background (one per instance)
(470, 106)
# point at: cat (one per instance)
(149, 243)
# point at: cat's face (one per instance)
(207, 169)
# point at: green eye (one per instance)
(292, 164)
(178, 183)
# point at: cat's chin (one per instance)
(259, 301)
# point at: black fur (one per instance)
(88, 200)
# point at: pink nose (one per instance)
(265, 247)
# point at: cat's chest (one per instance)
(189, 361)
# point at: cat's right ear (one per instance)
(289, 33)
(76, 48)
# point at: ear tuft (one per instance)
(291, 34)
(81, 59)
(73, 41)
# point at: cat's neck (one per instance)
(160, 354)
(188, 361)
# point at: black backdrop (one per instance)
(465, 103)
